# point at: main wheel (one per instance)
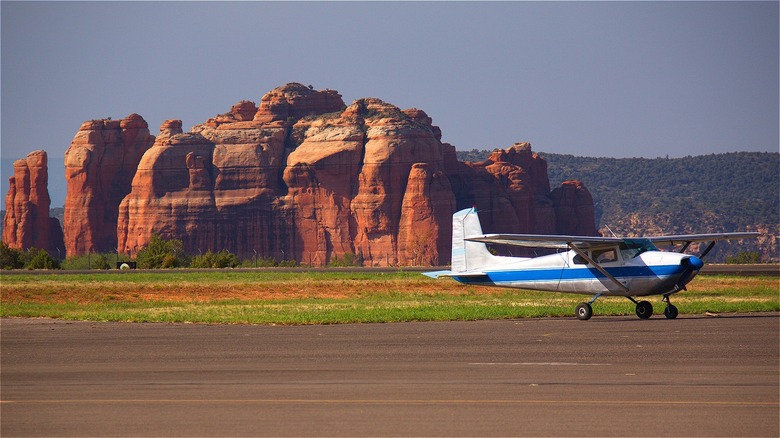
(644, 309)
(584, 311)
(670, 311)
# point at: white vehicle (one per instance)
(609, 266)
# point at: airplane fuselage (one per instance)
(650, 273)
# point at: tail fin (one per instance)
(468, 256)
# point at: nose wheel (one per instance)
(671, 310)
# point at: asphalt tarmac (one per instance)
(618, 376)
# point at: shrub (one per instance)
(261, 262)
(744, 258)
(348, 259)
(170, 261)
(222, 259)
(89, 261)
(161, 253)
(10, 258)
(40, 259)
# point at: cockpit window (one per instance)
(605, 256)
(631, 248)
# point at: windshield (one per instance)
(631, 248)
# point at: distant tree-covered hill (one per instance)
(709, 193)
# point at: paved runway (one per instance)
(607, 376)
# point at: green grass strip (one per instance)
(407, 297)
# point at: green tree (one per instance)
(10, 258)
(222, 259)
(101, 262)
(162, 254)
(40, 259)
(744, 258)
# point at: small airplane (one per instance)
(609, 266)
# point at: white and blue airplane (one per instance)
(609, 266)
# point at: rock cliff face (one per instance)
(573, 206)
(99, 167)
(348, 184)
(302, 177)
(510, 190)
(27, 223)
(309, 179)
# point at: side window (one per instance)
(578, 260)
(605, 256)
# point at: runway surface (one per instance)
(619, 376)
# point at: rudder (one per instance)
(466, 255)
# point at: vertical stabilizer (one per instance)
(468, 256)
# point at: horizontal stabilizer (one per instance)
(437, 274)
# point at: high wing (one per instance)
(590, 242)
(688, 238)
(547, 240)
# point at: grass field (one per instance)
(322, 297)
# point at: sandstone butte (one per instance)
(27, 223)
(303, 177)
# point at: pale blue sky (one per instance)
(615, 79)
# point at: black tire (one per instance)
(644, 309)
(670, 311)
(584, 311)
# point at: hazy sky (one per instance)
(617, 79)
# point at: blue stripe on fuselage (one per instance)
(571, 274)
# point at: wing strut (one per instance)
(597, 266)
(707, 250)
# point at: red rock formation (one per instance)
(27, 223)
(322, 176)
(294, 101)
(171, 195)
(99, 168)
(168, 129)
(574, 210)
(303, 177)
(340, 190)
(232, 167)
(394, 142)
(347, 181)
(426, 218)
(502, 188)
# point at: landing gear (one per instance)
(671, 311)
(644, 309)
(584, 311)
